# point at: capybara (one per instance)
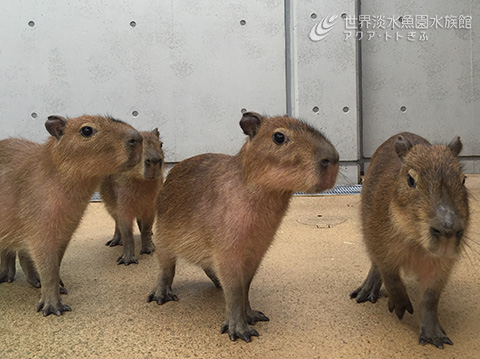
(45, 189)
(222, 212)
(133, 194)
(414, 215)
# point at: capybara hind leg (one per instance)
(370, 288)
(213, 277)
(29, 269)
(162, 292)
(398, 299)
(146, 234)
(7, 266)
(431, 331)
(128, 255)
(116, 239)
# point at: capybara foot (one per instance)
(115, 241)
(370, 288)
(162, 298)
(7, 276)
(34, 279)
(434, 335)
(148, 248)
(254, 316)
(49, 308)
(127, 260)
(238, 330)
(400, 305)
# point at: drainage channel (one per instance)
(338, 190)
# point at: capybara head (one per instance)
(153, 160)
(93, 145)
(286, 154)
(430, 200)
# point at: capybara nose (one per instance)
(135, 139)
(153, 161)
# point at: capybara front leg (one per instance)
(128, 256)
(46, 261)
(370, 288)
(431, 331)
(29, 269)
(7, 266)
(117, 237)
(146, 234)
(398, 299)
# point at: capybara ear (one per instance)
(55, 126)
(250, 123)
(402, 146)
(456, 145)
(156, 132)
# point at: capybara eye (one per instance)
(278, 138)
(411, 181)
(87, 131)
(464, 178)
(147, 162)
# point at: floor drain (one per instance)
(338, 190)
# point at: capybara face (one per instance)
(97, 144)
(287, 154)
(153, 160)
(431, 193)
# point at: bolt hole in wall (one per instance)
(31, 23)
(403, 109)
(134, 113)
(34, 115)
(243, 22)
(133, 23)
(243, 110)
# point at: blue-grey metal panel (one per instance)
(429, 85)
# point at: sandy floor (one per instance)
(303, 286)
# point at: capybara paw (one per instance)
(162, 298)
(7, 276)
(254, 316)
(114, 242)
(400, 306)
(127, 260)
(241, 330)
(34, 281)
(147, 249)
(48, 308)
(435, 336)
(364, 294)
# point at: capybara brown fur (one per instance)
(45, 189)
(414, 215)
(222, 212)
(133, 194)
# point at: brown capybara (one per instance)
(221, 212)
(414, 216)
(133, 194)
(45, 189)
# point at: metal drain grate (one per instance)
(96, 197)
(338, 190)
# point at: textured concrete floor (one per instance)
(303, 286)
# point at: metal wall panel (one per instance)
(188, 67)
(324, 86)
(429, 87)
